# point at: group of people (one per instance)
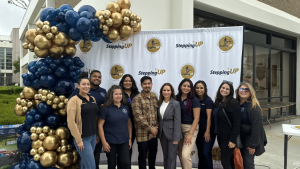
(113, 120)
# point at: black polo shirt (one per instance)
(205, 104)
(89, 110)
(187, 117)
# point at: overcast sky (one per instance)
(11, 17)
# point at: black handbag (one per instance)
(239, 143)
(246, 128)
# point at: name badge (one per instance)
(203, 104)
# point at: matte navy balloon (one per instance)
(61, 16)
(32, 112)
(72, 17)
(38, 117)
(24, 142)
(57, 11)
(53, 23)
(25, 76)
(44, 14)
(49, 18)
(44, 109)
(65, 6)
(41, 62)
(105, 39)
(31, 64)
(63, 27)
(86, 14)
(60, 72)
(31, 164)
(52, 120)
(16, 166)
(87, 8)
(74, 34)
(27, 82)
(51, 12)
(55, 19)
(39, 124)
(64, 87)
(83, 25)
(47, 80)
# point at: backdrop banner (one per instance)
(209, 54)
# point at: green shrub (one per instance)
(5, 90)
(18, 90)
(8, 117)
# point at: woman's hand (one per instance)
(188, 139)
(80, 146)
(251, 151)
(207, 136)
(97, 139)
(175, 142)
(231, 145)
(130, 144)
(106, 147)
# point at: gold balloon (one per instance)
(33, 152)
(39, 130)
(133, 17)
(42, 42)
(49, 36)
(61, 39)
(37, 157)
(41, 150)
(102, 19)
(62, 98)
(42, 136)
(39, 24)
(42, 53)
(117, 19)
(128, 13)
(37, 102)
(51, 143)
(58, 150)
(46, 129)
(76, 156)
(30, 35)
(56, 100)
(46, 28)
(47, 23)
(62, 133)
(69, 147)
(39, 30)
(66, 101)
(106, 14)
(62, 112)
(49, 102)
(57, 50)
(105, 31)
(44, 92)
(50, 96)
(105, 28)
(124, 38)
(29, 104)
(64, 149)
(51, 132)
(137, 29)
(70, 50)
(37, 144)
(113, 7)
(31, 46)
(138, 19)
(40, 91)
(32, 129)
(48, 159)
(54, 30)
(100, 26)
(126, 31)
(61, 105)
(122, 12)
(18, 100)
(44, 98)
(24, 109)
(99, 13)
(52, 93)
(36, 97)
(40, 96)
(126, 20)
(34, 136)
(109, 22)
(71, 42)
(65, 159)
(63, 142)
(23, 102)
(124, 4)
(54, 106)
(133, 24)
(113, 35)
(25, 45)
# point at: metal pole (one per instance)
(285, 150)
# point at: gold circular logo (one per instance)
(153, 45)
(216, 154)
(187, 71)
(226, 43)
(116, 72)
(85, 46)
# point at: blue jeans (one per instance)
(87, 155)
(204, 149)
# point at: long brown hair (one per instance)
(161, 97)
(252, 97)
(109, 97)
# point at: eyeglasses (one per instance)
(244, 89)
(229, 82)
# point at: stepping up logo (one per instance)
(153, 45)
(85, 46)
(187, 71)
(216, 154)
(116, 72)
(226, 43)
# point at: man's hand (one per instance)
(154, 131)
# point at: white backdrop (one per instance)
(209, 54)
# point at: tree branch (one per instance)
(19, 3)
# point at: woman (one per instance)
(190, 114)
(115, 128)
(252, 132)
(206, 137)
(226, 108)
(169, 131)
(82, 121)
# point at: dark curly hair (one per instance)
(190, 96)
(133, 88)
(228, 98)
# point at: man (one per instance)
(144, 110)
(99, 94)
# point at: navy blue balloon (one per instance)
(66, 10)
(40, 63)
(32, 112)
(55, 19)
(32, 69)
(47, 80)
(39, 123)
(87, 38)
(61, 16)
(37, 75)
(43, 70)
(31, 164)
(57, 61)
(53, 66)
(83, 25)
(31, 76)
(68, 62)
(49, 18)
(86, 14)
(36, 84)
(31, 64)
(72, 74)
(44, 109)
(24, 142)
(92, 29)
(57, 11)
(81, 65)
(98, 33)
(95, 39)
(64, 124)
(38, 117)
(27, 82)
(74, 34)
(63, 27)
(28, 127)
(44, 13)
(76, 58)
(25, 76)
(60, 72)
(87, 8)
(16, 166)
(48, 60)
(51, 12)
(53, 23)
(65, 6)
(105, 39)
(64, 87)
(30, 119)
(78, 71)
(75, 79)
(72, 17)
(52, 120)
(72, 68)
(22, 127)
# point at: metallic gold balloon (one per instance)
(31, 46)
(52, 93)
(64, 149)
(66, 101)
(39, 30)
(41, 150)
(42, 136)
(24, 109)
(42, 42)
(18, 100)
(63, 142)
(76, 156)
(33, 129)
(100, 26)
(54, 30)
(29, 104)
(128, 13)
(106, 14)
(124, 4)
(40, 96)
(42, 53)
(61, 105)
(44, 98)
(116, 19)
(51, 132)
(137, 29)
(113, 35)
(49, 102)
(105, 28)
(123, 38)
(99, 13)
(51, 142)
(71, 42)
(133, 17)
(133, 24)
(37, 102)
(40, 91)
(33, 152)
(58, 150)
(37, 144)
(126, 20)
(34, 136)
(70, 50)
(39, 130)
(50, 96)
(62, 133)
(46, 129)
(105, 31)
(61, 39)
(62, 112)
(47, 23)
(48, 159)
(113, 7)
(69, 147)
(37, 157)
(23, 102)
(25, 46)
(46, 28)
(44, 92)
(62, 98)
(30, 35)
(39, 24)
(49, 36)
(102, 19)
(57, 50)
(36, 97)
(122, 12)
(109, 22)
(138, 19)
(65, 159)
(54, 106)
(126, 31)
(56, 100)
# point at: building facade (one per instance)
(6, 71)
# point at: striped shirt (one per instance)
(144, 111)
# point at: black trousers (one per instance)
(97, 152)
(143, 148)
(248, 159)
(227, 159)
(123, 152)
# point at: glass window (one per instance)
(255, 37)
(261, 72)
(248, 64)
(277, 111)
(203, 22)
(275, 73)
(286, 43)
(287, 73)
